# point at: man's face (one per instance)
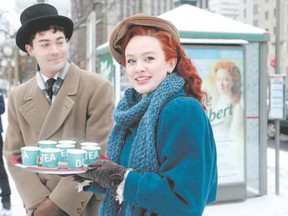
(50, 49)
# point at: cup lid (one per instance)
(91, 147)
(47, 142)
(30, 148)
(76, 151)
(50, 150)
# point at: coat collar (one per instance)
(50, 118)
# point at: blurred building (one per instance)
(264, 15)
(260, 13)
(108, 13)
(227, 8)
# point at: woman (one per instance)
(162, 139)
(227, 101)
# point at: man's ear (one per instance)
(171, 65)
(28, 49)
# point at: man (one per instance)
(78, 109)
(4, 181)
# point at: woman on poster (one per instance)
(226, 112)
(226, 116)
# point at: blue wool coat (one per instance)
(187, 177)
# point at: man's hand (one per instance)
(106, 173)
(48, 208)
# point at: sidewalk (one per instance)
(268, 205)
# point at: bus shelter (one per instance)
(216, 43)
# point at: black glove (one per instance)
(106, 173)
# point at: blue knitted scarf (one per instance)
(131, 111)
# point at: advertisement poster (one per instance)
(221, 69)
(106, 67)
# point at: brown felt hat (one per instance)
(137, 20)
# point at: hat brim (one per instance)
(137, 20)
(32, 26)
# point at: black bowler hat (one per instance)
(38, 17)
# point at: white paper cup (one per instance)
(71, 142)
(47, 144)
(75, 158)
(63, 155)
(92, 154)
(50, 157)
(82, 144)
(30, 155)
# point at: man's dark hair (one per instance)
(45, 28)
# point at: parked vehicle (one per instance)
(271, 128)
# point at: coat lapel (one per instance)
(62, 105)
(44, 119)
(34, 102)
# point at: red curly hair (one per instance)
(172, 50)
(234, 72)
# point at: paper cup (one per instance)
(75, 158)
(50, 157)
(30, 155)
(63, 155)
(92, 154)
(47, 144)
(82, 144)
(71, 142)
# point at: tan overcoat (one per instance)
(81, 111)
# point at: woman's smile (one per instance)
(142, 79)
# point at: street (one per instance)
(283, 143)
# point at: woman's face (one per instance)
(224, 81)
(145, 64)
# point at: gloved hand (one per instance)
(106, 173)
(48, 208)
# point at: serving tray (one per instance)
(16, 161)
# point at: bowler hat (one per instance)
(137, 20)
(38, 17)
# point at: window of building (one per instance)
(255, 9)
